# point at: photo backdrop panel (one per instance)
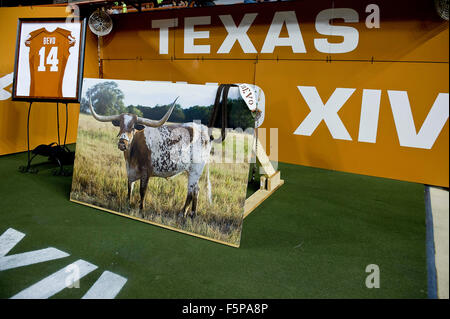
(172, 175)
(382, 119)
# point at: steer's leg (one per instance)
(130, 190)
(194, 200)
(187, 203)
(193, 177)
(143, 190)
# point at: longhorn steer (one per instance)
(152, 149)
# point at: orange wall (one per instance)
(13, 115)
(409, 52)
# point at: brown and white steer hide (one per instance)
(180, 148)
(152, 149)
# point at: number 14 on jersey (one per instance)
(52, 59)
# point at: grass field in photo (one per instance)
(100, 179)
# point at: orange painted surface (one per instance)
(13, 115)
(409, 52)
(384, 158)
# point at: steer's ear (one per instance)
(139, 126)
(116, 123)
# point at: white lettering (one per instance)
(373, 280)
(11, 238)
(327, 112)
(5, 81)
(106, 287)
(404, 122)
(73, 278)
(54, 283)
(237, 33)
(324, 27)
(373, 19)
(370, 111)
(163, 25)
(294, 40)
(190, 35)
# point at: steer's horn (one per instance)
(152, 123)
(102, 118)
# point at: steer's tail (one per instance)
(208, 185)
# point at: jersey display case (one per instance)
(49, 60)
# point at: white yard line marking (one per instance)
(54, 283)
(106, 287)
(9, 239)
(31, 257)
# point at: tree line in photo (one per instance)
(110, 100)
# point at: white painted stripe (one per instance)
(9, 239)
(54, 283)
(31, 257)
(106, 287)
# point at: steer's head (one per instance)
(129, 123)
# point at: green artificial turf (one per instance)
(313, 238)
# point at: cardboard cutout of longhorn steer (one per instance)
(152, 149)
(144, 150)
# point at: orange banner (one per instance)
(357, 87)
(350, 85)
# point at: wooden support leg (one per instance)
(272, 184)
(269, 182)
